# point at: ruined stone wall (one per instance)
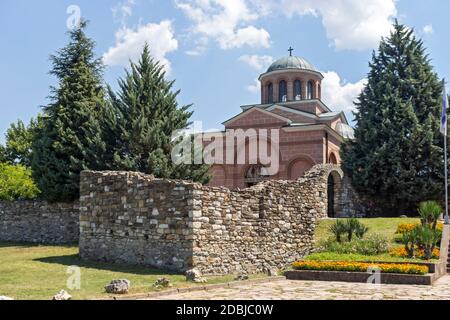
(39, 222)
(269, 225)
(132, 218)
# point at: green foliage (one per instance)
(350, 227)
(427, 239)
(396, 157)
(19, 139)
(374, 245)
(338, 229)
(16, 183)
(430, 212)
(424, 236)
(144, 117)
(70, 138)
(361, 230)
(3, 157)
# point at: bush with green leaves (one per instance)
(425, 236)
(338, 229)
(16, 183)
(430, 212)
(350, 227)
(372, 245)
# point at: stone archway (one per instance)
(334, 191)
(327, 181)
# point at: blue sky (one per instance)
(215, 49)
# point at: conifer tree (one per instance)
(70, 139)
(146, 114)
(397, 156)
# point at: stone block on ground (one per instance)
(194, 275)
(63, 295)
(162, 283)
(118, 286)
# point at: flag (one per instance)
(444, 111)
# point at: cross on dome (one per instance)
(290, 51)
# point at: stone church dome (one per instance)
(291, 62)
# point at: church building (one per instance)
(310, 133)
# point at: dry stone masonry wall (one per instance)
(133, 218)
(39, 222)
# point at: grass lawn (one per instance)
(382, 226)
(38, 272)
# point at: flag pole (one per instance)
(447, 220)
(445, 104)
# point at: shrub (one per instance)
(16, 183)
(373, 245)
(430, 211)
(349, 227)
(400, 252)
(338, 229)
(359, 267)
(361, 230)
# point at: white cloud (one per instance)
(225, 21)
(349, 24)
(256, 62)
(130, 42)
(338, 95)
(428, 29)
(122, 10)
(255, 87)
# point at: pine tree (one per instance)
(70, 138)
(396, 159)
(145, 117)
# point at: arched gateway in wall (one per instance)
(328, 180)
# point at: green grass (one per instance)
(36, 272)
(382, 226)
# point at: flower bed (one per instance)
(360, 267)
(407, 227)
(400, 252)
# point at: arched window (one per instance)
(297, 90)
(282, 97)
(270, 93)
(310, 90)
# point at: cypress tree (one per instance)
(70, 138)
(396, 159)
(146, 114)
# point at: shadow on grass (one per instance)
(75, 260)
(27, 245)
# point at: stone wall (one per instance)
(39, 222)
(132, 218)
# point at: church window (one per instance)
(297, 90)
(310, 90)
(282, 91)
(270, 93)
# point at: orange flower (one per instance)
(360, 267)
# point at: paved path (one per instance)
(314, 290)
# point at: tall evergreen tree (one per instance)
(397, 156)
(145, 117)
(70, 139)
